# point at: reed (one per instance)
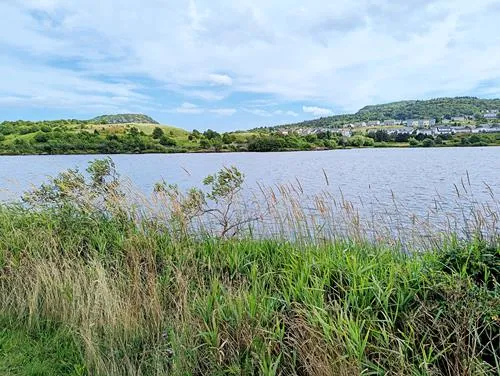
(155, 286)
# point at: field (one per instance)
(90, 284)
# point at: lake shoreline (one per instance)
(254, 152)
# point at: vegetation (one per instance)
(130, 133)
(438, 108)
(91, 286)
(76, 137)
(123, 119)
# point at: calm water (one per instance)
(415, 176)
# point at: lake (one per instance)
(373, 179)
(413, 175)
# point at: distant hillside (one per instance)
(123, 118)
(434, 108)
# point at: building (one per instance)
(443, 131)
(373, 123)
(360, 124)
(427, 132)
(486, 128)
(492, 114)
(402, 130)
(420, 123)
(458, 118)
(391, 122)
(427, 122)
(346, 132)
(450, 130)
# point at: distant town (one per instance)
(432, 127)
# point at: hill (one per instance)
(438, 108)
(123, 119)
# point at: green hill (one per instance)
(123, 119)
(438, 108)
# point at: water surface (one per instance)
(414, 176)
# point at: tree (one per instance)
(210, 134)
(41, 137)
(228, 138)
(217, 144)
(167, 141)
(205, 144)
(413, 142)
(157, 133)
(428, 142)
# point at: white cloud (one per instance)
(340, 55)
(223, 111)
(292, 113)
(220, 79)
(316, 111)
(188, 108)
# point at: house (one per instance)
(458, 118)
(420, 123)
(427, 122)
(346, 132)
(392, 122)
(491, 114)
(360, 124)
(443, 130)
(402, 130)
(427, 132)
(373, 123)
(486, 128)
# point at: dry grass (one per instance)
(150, 289)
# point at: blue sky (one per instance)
(239, 64)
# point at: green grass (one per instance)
(37, 351)
(136, 301)
(90, 284)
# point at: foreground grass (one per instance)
(83, 293)
(38, 350)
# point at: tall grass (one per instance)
(140, 290)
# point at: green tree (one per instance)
(205, 144)
(210, 134)
(167, 141)
(413, 141)
(41, 137)
(157, 133)
(428, 142)
(228, 138)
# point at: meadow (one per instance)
(92, 283)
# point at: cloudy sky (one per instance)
(239, 64)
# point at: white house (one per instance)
(392, 122)
(491, 114)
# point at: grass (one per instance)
(96, 291)
(46, 350)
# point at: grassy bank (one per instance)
(86, 137)
(86, 288)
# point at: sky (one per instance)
(240, 64)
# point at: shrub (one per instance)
(41, 137)
(167, 141)
(428, 142)
(157, 133)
